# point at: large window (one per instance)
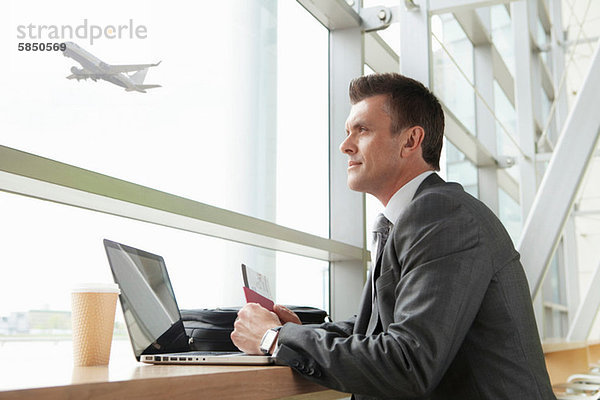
(240, 122)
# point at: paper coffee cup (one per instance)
(93, 318)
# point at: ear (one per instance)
(414, 138)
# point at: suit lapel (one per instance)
(364, 314)
(372, 310)
(374, 317)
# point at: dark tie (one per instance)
(381, 230)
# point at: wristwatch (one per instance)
(268, 339)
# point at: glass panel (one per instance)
(460, 170)
(391, 35)
(542, 41)
(546, 105)
(302, 281)
(587, 231)
(302, 117)
(48, 248)
(506, 124)
(510, 215)
(448, 30)
(449, 82)
(555, 280)
(580, 24)
(505, 112)
(222, 128)
(373, 208)
(502, 35)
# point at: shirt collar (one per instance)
(403, 196)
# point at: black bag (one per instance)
(209, 329)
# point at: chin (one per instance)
(354, 184)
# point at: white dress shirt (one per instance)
(403, 196)
(400, 200)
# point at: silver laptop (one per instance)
(151, 313)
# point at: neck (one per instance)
(385, 197)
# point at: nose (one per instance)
(348, 146)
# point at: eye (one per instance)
(362, 129)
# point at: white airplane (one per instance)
(96, 69)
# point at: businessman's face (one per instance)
(374, 161)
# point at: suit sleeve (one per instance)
(436, 274)
(343, 328)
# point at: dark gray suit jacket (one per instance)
(455, 314)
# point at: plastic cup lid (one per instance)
(96, 288)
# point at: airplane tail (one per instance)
(138, 77)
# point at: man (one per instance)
(446, 312)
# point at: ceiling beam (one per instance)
(448, 6)
(333, 14)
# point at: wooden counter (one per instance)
(175, 382)
(50, 376)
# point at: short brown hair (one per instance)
(409, 103)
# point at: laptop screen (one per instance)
(147, 298)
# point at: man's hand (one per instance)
(286, 315)
(250, 326)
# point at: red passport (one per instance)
(253, 297)
(258, 282)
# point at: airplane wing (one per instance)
(141, 88)
(82, 73)
(147, 86)
(115, 69)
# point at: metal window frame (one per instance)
(446, 6)
(34, 176)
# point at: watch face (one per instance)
(268, 340)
